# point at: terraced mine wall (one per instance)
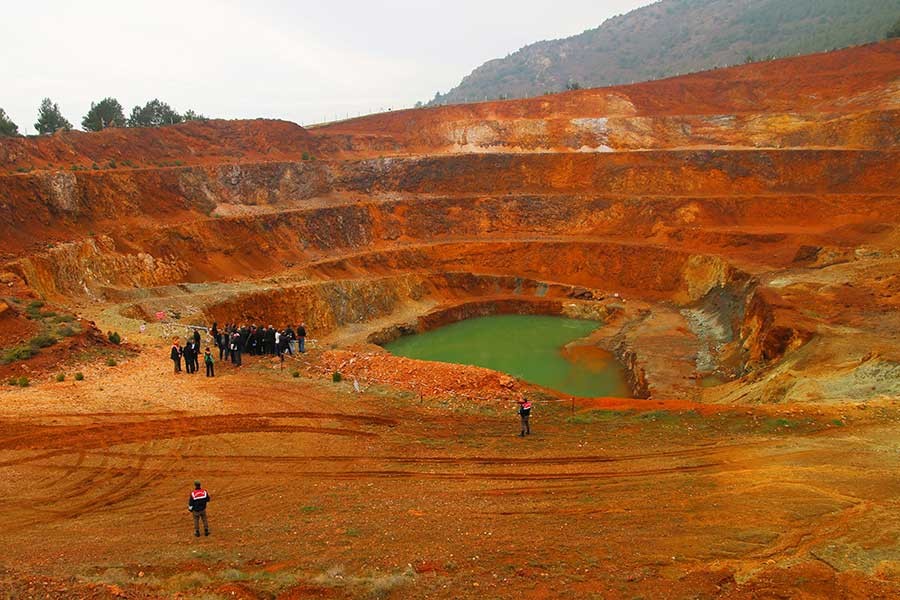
(740, 217)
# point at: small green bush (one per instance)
(111, 362)
(61, 377)
(336, 377)
(18, 353)
(306, 155)
(112, 164)
(295, 374)
(65, 331)
(64, 318)
(79, 376)
(43, 340)
(23, 381)
(114, 337)
(33, 310)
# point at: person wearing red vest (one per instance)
(197, 506)
(525, 414)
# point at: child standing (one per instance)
(208, 359)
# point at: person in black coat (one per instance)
(222, 342)
(188, 353)
(288, 336)
(175, 355)
(270, 340)
(236, 349)
(301, 336)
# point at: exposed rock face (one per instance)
(752, 215)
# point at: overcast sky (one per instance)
(302, 61)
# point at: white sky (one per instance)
(303, 61)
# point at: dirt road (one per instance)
(320, 491)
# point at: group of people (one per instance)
(233, 341)
(190, 352)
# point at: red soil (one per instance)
(743, 221)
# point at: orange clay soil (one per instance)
(319, 491)
(735, 233)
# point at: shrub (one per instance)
(112, 164)
(111, 362)
(306, 155)
(33, 310)
(23, 381)
(295, 374)
(336, 377)
(114, 337)
(64, 318)
(18, 353)
(43, 340)
(65, 331)
(79, 376)
(61, 377)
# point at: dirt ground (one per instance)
(737, 228)
(320, 491)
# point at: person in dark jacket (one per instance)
(196, 338)
(175, 355)
(301, 337)
(525, 414)
(197, 507)
(244, 332)
(222, 342)
(270, 340)
(253, 341)
(289, 336)
(188, 353)
(236, 349)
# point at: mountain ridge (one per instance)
(674, 37)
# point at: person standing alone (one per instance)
(197, 507)
(525, 414)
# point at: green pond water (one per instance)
(529, 347)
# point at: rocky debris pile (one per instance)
(428, 379)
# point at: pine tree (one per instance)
(191, 115)
(7, 127)
(153, 114)
(50, 119)
(106, 113)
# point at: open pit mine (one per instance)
(735, 234)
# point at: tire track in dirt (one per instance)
(704, 451)
(108, 434)
(402, 474)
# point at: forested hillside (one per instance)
(678, 36)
